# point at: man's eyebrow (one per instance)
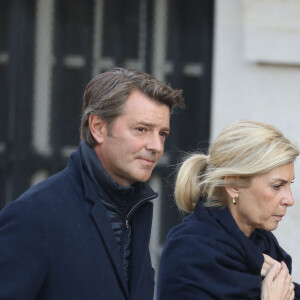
(149, 124)
(166, 129)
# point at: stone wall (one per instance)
(256, 75)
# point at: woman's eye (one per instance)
(277, 186)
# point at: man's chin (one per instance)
(144, 177)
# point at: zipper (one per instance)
(135, 206)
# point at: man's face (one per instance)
(130, 150)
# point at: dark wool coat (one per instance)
(208, 257)
(56, 242)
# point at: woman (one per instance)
(238, 194)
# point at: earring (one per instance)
(234, 200)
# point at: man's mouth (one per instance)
(147, 160)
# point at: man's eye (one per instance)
(141, 129)
(164, 134)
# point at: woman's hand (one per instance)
(277, 284)
(269, 261)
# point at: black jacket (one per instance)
(56, 242)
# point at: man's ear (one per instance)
(231, 186)
(97, 128)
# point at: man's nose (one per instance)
(155, 143)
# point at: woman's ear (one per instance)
(231, 186)
(97, 128)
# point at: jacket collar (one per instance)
(98, 174)
(124, 199)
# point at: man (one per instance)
(84, 232)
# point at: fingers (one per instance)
(284, 272)
(277, 283)
(292, 293)
(264, 269)
(268, 259)
(286, 279)
(272, 273)
(268, 289)
(268, 262)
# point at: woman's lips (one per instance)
(278, 217)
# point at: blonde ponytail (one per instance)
(187, 186)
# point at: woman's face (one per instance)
(264, 202)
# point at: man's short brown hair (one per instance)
(106, 94)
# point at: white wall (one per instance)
(253, 80)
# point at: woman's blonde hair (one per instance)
(242, 150)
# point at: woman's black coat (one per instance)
(209, 257)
